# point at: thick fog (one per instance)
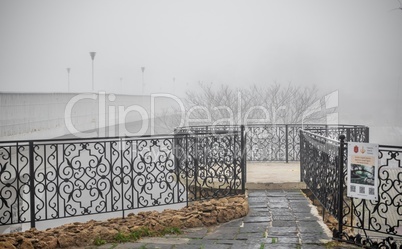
(143, 47)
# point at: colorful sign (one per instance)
(362, 170)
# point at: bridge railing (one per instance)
(53, 179)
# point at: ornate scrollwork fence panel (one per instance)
(353, 133)
(266, 142)
(319, 158)
(281, 142)
(52, 179)
(212, 165)
(99, 176)
(378, 224)
(14, 183)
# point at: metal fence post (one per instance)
(196, 159)
(121, 173)
(340, 187)
(176, 152)
(177, 149)
(301, 153)
(367, 135)
(186, 167)
(243, 157)
(287, 143)
(250, 143)
(32, 183)
(206, 150)
(347, 135)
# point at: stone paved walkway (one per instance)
(277, 219)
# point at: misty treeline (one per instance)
(227, 105)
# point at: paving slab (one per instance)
(277, 219)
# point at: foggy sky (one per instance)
(354, 46)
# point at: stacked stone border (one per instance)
(198, 214)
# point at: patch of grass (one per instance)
(262, 246)
(274, 240)
(144, 231)
(171, 230)
(121, 238)
(135, 235)
(98, 241)
(138, 234)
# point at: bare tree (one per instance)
(272, 104)
(269, 104)
(224, 105)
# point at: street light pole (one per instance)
(143, 84)
(92, 54)
(68, 78)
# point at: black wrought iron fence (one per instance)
(281, 142)
(211, 165)
(319, 157)
(53, 179)
(375, 224)
(352, 133)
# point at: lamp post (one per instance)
(143, 84)
(92, 54)
(68, 78)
